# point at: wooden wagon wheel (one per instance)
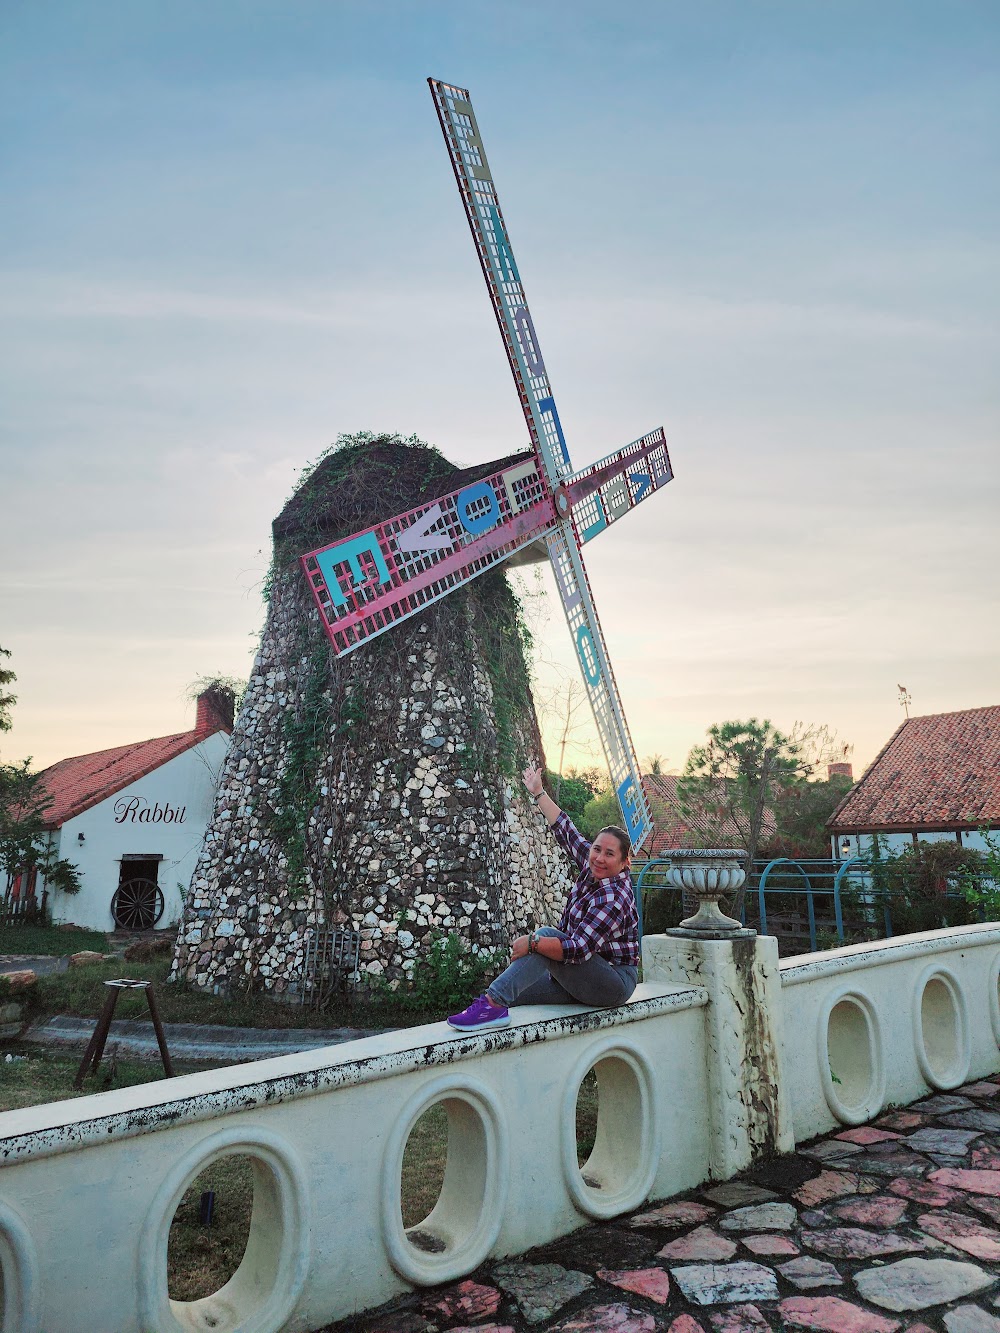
(137, 905)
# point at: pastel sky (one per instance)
(230, 232)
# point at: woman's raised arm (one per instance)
(545, 803)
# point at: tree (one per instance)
(7, 701)
(601, 811)
(573, 790)
(743, 769)
(24, 840)
(800, 814)
(565, 709)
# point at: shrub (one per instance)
(930, 885)
(448, 977)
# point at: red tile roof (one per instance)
(76, 784)
(672, 829)
(937, 772)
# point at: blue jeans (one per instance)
(535, 979)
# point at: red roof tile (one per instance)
(76, 784)
(672, 829)
(937, 772)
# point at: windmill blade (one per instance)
(510, 305)
(574, 592)
(482, 209)
(602, 494)
(365, 584)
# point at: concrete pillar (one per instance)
(749, 1112)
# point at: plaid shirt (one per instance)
(599, 916)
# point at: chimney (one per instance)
(840, 770)
(210, 716)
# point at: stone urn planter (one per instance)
(704, 876)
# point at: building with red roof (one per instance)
(672, 829)
(132, 820)
(937, 778)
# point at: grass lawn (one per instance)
(50, 940)
(423, 1165)
(80, 991)
(33, 1076)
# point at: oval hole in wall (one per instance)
(258, 1225)
(609, 1126)
(19, 1286)
(852, 1062)
(943, 1047)
(444, 1176)
(586, 1118)
(202, 1256)
(424, 1159)
(454, 1131)
(993, 997)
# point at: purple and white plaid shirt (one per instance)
(599, 916)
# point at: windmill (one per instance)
(365, 584)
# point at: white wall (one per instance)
(114, 828)
(89, 1187)
(873, 1025)
(899, 842)
(977, 841)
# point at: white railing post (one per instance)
(749, 1111)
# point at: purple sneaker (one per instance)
(479, 1015)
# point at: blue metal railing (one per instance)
(815, 878)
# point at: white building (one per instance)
(938, 778)
(132, 820)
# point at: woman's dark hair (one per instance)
(624, 841)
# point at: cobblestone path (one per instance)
(895, 1225)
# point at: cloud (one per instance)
(40, 296)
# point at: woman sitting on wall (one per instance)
(593, 957)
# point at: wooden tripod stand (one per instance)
(95, 1047)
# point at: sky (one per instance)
(229, 232)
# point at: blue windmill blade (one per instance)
(482, 208)
(602, 689)
(510, 305)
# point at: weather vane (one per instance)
(367, 583)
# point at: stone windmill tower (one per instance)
(377, 792)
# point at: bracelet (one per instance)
(532, 943)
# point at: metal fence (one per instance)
(332, 958)
(818, 902)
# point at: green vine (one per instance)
(506, 644)
(298, 788)
(333, 495)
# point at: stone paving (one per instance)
(891, 1226)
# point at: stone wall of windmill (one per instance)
(377, 792)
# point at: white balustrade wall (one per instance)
(880, 1024)
(88, 1188)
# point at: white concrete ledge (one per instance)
(852, 957)
(41, 1131)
